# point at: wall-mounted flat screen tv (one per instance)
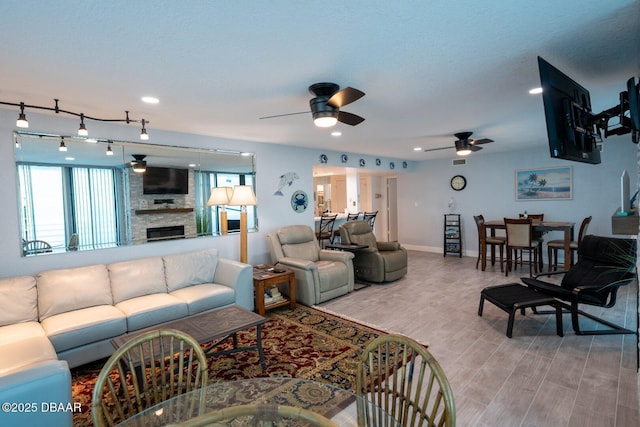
(157, 180)
(567, 108)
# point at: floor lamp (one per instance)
(243, 196)
(220, 196)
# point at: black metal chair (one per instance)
(604, 265)
(350, 217)
(325, 228)
(370, 217)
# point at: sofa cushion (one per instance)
(20, 331)
(71, 289)
(23, 297)
(204, 297)
(25, 352)
(135, 278)
(149, 310)
(84, 326)
(192, 268)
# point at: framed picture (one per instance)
(554, 183)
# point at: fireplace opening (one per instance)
(165, 233)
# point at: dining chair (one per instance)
(150, 368)
(325, 228)
(519, 240)
(399, 375)
(260, 414)
(34, 247)
(537, 235)
(491, 241)
(553, 246)
(370, 217)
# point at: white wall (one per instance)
(424, 195)
(272, 161)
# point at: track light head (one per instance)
(22, 121)
(62, 147)
(109, 150)
(82, 130)
(143, 133)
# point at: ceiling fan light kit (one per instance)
(326, 103)
(139, 165)
(463, 145)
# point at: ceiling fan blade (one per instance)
(349, 119)
(283, 115)
(480, 141)
(344, 97)
(475, 148)
(437, 149)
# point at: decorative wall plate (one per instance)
(362, 163)
(344, 158)
(378, 162)
(404, 165)
(299, 201)
(392, 165)
(323, 158)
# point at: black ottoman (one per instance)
(513, 297)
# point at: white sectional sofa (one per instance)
(64, 318)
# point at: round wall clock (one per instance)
(458, 182)
(299, 201)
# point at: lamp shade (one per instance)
(220, 196)
(243, 196)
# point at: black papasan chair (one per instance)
(604, 264)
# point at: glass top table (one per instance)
(338, 406)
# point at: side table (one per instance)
(268, 275)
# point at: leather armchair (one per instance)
(381, 261)
(321, 274)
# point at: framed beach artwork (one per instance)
(554, 183)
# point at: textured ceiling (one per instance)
(428, 68)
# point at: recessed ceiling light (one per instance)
(70, 158)
(150, 99)
(535, 90)
(336, 133)
(417, 148)
(192, 165)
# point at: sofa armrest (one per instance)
(388, 246)
(238, 276)
(338, 256)
(299, 263)
(43, 392)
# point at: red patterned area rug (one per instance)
(302, 343)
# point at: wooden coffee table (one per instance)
(217, 325)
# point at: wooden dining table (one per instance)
(542, 226)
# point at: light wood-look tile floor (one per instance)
(534, 379)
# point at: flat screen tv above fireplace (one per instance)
(157, 180)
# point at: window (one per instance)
(57, 201)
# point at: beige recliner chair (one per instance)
(320, 274)
(381, 261)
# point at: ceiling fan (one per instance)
(139, 165)
(325, 106)
(463, 145)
